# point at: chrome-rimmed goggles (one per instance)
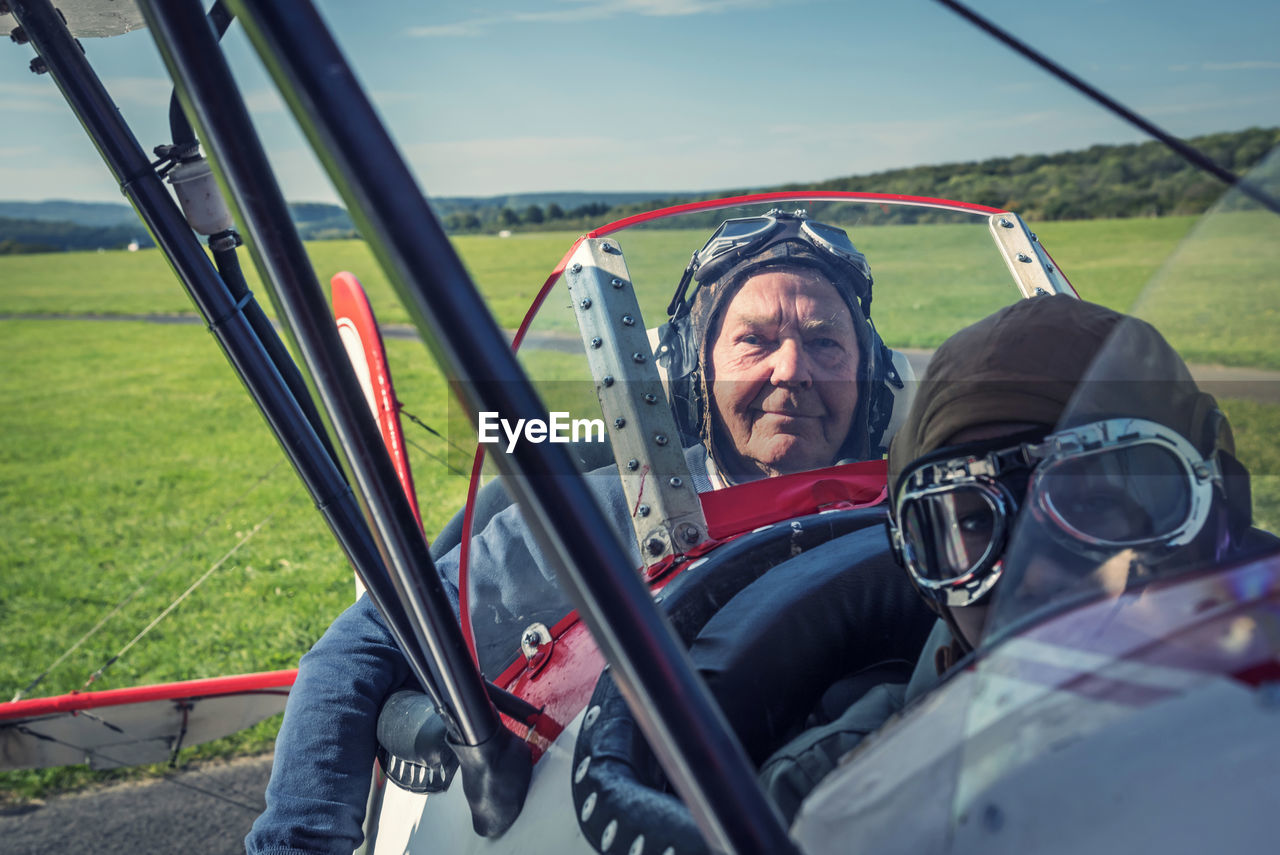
(1098, 489)
(744, 237)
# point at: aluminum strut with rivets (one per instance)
(1021, 251)
(666, 512)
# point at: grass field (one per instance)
(133, 460)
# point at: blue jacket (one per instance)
(324, 754)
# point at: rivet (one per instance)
(690, 534)
(610, 831)
(1202, 471)
(1040, 292)
(575, 268)
(637, 846)
(675, 481)
(1033, 237)
(581, 771)
(633, 464)
(608, 380)
(586, 303)
(1023, 257)
(38, 65)
(661, 439)
(650, 398)
(638, 357)
(596, 342)
(616, 283)
(608, 247)
(643, 510)
(592, 715)
(589, 805)
(619, 423)
(1006, 222)
(628, 321)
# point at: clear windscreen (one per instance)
(778, 402)
(1138, 597)
(1129, 647)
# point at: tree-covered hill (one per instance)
(1100, 182)
(1103, 181)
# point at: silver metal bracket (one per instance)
(665, 510)
(1031, 266)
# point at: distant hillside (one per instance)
(26, 236)
(59, 225)
(1100, 182)
(79, 213)
(1103, 181)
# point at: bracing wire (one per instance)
(177, 602)
(116, 609)
(429, 429)
(169, 777)
(443, 461)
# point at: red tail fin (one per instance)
(359, 331)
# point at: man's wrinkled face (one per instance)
(784, 372)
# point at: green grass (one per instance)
(917, 268)
(132, 456)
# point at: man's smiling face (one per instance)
(784, 373)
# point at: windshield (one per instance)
(1130, 638)
(770, 368)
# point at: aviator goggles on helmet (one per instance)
(743, 238)
(1097, 489)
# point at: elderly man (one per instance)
(1002, 424)
(771, 351)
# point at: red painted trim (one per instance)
(464, 555)
(541, 296)
(796, 195)
(213, 687)
(351, 305)
(748, 506)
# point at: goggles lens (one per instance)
(735, 233)
(835, 240)
(950, 534)
(1096, 489)
(1123, 496)
(739, 238)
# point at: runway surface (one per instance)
(205, 810)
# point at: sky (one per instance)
(488, 97)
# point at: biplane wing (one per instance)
(130, 727)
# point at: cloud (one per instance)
(31, 97)
(1193, 107)
(1247, 65)
(1241, 65)
(146, 91)
(266, 100)
(11, 152)
(573, 11)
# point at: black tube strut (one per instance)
(685, 727)
(224, 315)
(223, 248)
(210, 97)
